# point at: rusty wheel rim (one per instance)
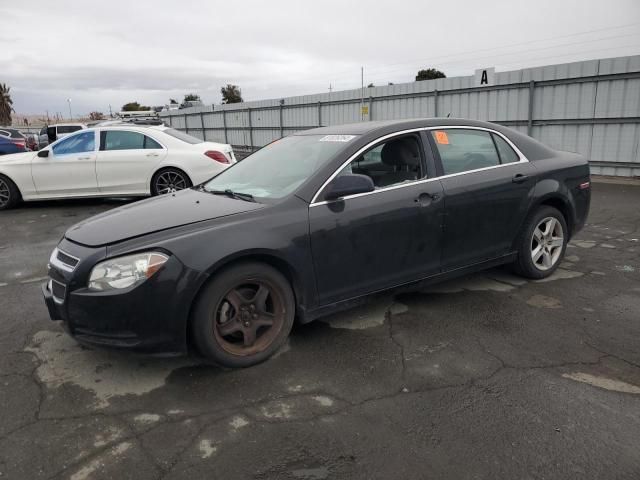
(249, 317)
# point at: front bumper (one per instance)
(149, 318)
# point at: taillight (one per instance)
(585, 185)
(217, 156)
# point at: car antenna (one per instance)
(448, 114)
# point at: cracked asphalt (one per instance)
(489, 376)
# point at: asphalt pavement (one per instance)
(489, 376)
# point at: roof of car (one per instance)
(366, 127)
(532, 148)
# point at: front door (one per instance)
(380, 239)
(69, 169)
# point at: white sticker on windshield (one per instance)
(337, 138)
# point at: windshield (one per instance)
(279, 168)
(182, 136)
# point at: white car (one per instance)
(123, 160)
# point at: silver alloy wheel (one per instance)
(170, 182)
(547, 243)
(5, 193)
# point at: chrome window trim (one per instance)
(53, 260)
(523, 159)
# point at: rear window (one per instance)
(11, 133)
(182, 136)
(68, 128)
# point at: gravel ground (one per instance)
(489, 376)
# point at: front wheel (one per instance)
(169, 180)
(542, 243)
(244, 315)
(9, 193)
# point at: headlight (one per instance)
(124, 272)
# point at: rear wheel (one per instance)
(542, 243)
(244, 315)
(169, 180)
(9, 193)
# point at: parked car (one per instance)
(308, 225)
(7, 146)
(111, 161)
(51, 133)
(15, 136)
(32, 141)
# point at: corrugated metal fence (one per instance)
(590, 107)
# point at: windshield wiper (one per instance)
(247, 197)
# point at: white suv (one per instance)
(51, 133)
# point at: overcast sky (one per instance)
(101, 53)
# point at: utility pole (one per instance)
(110, 112)
(361, 93)
(330, 87)
(70, 114)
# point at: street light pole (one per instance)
(70, 115)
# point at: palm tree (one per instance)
(6, 105)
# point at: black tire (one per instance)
(526, 244)
(169, 180)
(9, 193)
(233, 305)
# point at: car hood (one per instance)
(22, 157)
(154, 215)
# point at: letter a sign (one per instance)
(485, 77)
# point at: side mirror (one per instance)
(348, 185)
(43, 153)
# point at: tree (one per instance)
(173, 101)
(96, 116)
(371, 85)
(133, 107)
(429, 74)
(231, 94)
(190, 97)
(6, 105)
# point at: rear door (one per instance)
(70, 168)
(126, 160)
(488, 187)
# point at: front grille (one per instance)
(67, 259)
(58, 290)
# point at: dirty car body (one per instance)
(458, 204)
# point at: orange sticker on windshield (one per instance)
(441, 137)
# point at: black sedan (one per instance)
(307, 225)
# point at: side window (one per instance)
(463, 150)
(80, 143)
(121, 140)
(507, 154)
(43, 131)
(393, 162)
(151, 143)
(68, 128)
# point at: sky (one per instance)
(109, 53)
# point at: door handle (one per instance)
(421, 199)
(152, 154)
(519, 178)
(84, 158)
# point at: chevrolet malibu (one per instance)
(310, 224)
